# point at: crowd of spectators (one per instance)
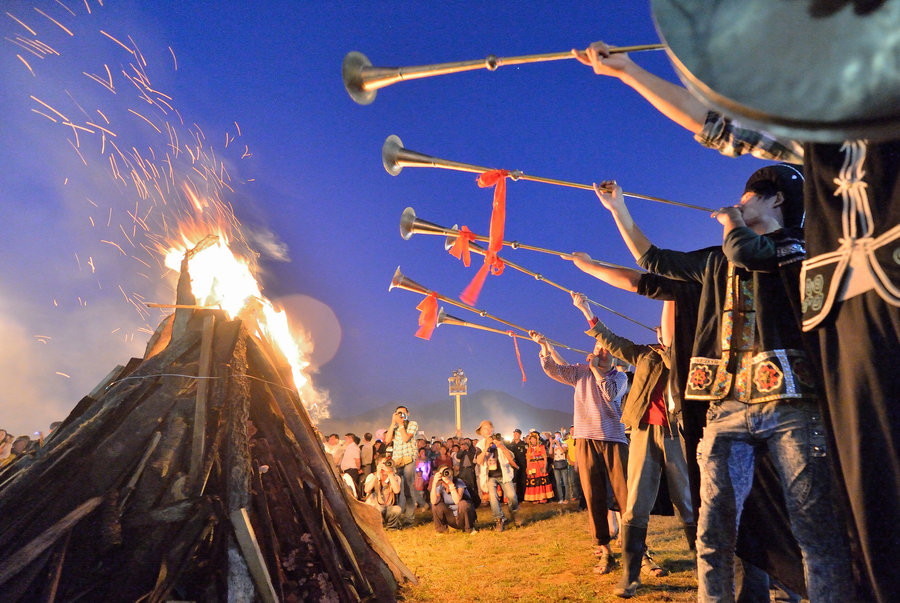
(13, 447)
(446, 468)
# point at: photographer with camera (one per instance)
(451, 504)
(496, 466)
(382, 490)
(400, 436)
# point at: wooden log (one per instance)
(59, 558)
(160, 338)
(236, 459)
(376, 572)
(18, 560)
(203, 372)
(129, 487)
(246, 539)
(273, 550)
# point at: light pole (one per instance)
(458, 388)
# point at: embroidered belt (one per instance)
(771, 375)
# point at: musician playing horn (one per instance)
(601, 448)
(848, 292)
(748, 361)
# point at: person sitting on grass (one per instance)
(382, 490)
(451, 504)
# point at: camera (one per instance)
(497, 437)
(445, 472)
(388, 463)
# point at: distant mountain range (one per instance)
(506, 412)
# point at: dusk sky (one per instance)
(305, 167)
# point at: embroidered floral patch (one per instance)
(768, 377)
(700, 377)
(813, 297)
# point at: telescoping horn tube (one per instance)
(451, 239)
(401, 281)
(362, 80)
(395, 158)
(446, 319)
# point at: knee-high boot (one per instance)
(633, 539)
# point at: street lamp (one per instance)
(458, 382)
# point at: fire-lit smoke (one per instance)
(127, 176)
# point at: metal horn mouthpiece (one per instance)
(395, 157)
(362, 80)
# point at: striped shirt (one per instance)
(598, 407)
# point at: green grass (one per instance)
(550, 558)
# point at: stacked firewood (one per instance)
(193, 473)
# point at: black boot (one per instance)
(632, 553)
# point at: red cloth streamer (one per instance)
(460, 248)
(515, 339)
(428, 317)
(497, 179)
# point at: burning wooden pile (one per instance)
(193, 473)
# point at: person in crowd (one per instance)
(573, 467)
(367, 458)
(19, 447)
(495, 466)
(558, 450)
(382, 491)
(424, 469)
(601, 446)
(6, 441)
(443, 458)
(454, 451)
(334, 446)
(654, 445)
(400, 434)
(519, 448)
(451, 503)
(537, 481)
(351, 462)
(466, 456)
(759, 383)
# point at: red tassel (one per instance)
(497, 179)
(460, 249)
(518, 356)
(428, 317)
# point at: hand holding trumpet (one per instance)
(599, 57)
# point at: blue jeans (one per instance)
(410, 497)
(509, 490)
(563, 485)
(792, 433)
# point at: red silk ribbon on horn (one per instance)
(515, 339)
(497, 179)
(428, 317)
(460, 248)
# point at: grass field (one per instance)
(548, 559)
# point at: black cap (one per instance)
(789, 181)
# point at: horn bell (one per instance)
(447, 319)
(401, 281)
(410, 225)
(354, 82)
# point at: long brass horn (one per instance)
(451, 239)
(401, 281)
(362, 80)
(395, 157)
(410, 225)
(447, 319)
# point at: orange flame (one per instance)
(221, 279)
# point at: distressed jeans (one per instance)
(792, 433)
(509, 491)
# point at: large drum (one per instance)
(816, 70)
